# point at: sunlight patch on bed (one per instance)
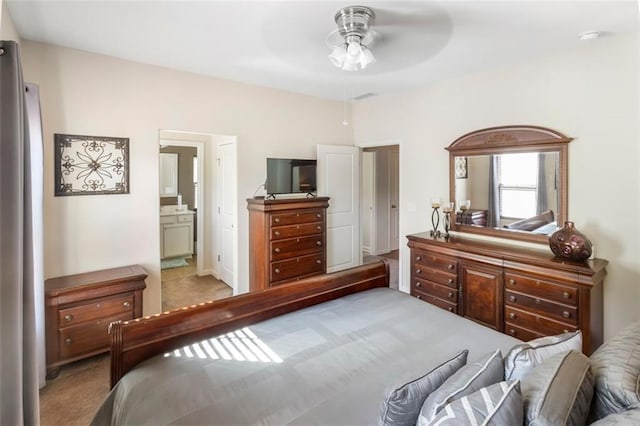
(239, 345)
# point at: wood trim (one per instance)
(134, 341)
(516, 138)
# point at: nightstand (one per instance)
(79, 309)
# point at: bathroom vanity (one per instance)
(176, 232)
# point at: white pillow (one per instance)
(524, 357)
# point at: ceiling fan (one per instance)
(350, 42)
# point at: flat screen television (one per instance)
(290, 176)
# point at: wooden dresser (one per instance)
(79, 309)
(523, 292)
(286, 240)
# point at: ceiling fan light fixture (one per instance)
(353, 25)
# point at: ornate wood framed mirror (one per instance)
(509, 182)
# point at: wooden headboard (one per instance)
(134, 341)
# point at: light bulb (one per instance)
(354, 48)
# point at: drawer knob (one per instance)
(319, 262)
(418, 257)
(449, 266)
(566, 314)
(450, 294)
(277, 220)
(277, 271)
(68, 317)
(319, 228)
(512, 298)
(67, 340)
(565, 295)
(512, 315)
(127, 304)
(512, 281)
(277, 233)
(419, 297)
(318, 215)
(418, 271)
(318, 243)
(565, 331)
(277, 250)
(513, 331)
(418, 284)
(450, 309)
(450, 280)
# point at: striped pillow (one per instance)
(488, 370)
(499, 404)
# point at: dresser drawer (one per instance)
(284, 249)
(278, 219)
(521, 333)
(436, 261)
(436, 275)
(541, 288)
(88, 337)
(96, 308)
(296, 230)
(538, 323)
(451, 307)
(443, 292)
(554, 310)
(291, 268)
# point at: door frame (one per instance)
(404, 250)
(199, 195)
(233, 141)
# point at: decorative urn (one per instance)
(569, 243)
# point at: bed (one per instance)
(324, 350)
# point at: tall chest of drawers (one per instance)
(79, 309)
(519, 291)
(287, 239)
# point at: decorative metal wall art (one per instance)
(461, 167)
(91, 165)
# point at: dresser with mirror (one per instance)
(512, 183)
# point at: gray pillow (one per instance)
(403, 404)
(487, 371)
(558, 391)
(616, 370)
(625, 418)
(522, 358)
(499, 404)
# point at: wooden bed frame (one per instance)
(134, 341)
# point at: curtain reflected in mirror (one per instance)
(511, 191)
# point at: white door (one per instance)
(394, 187)
(226, 196)
(338, 177)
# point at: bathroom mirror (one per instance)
(168, 174)
(509, 182)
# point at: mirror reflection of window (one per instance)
(518, 185)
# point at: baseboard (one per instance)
(366, 250)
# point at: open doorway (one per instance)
(380, 219)
(189, 220)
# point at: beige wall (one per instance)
(92, 94)
(7, 28)
(590, 94)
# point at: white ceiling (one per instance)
(283, 44)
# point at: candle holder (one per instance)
(435, 217)
(464, 206)
(447, 209)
